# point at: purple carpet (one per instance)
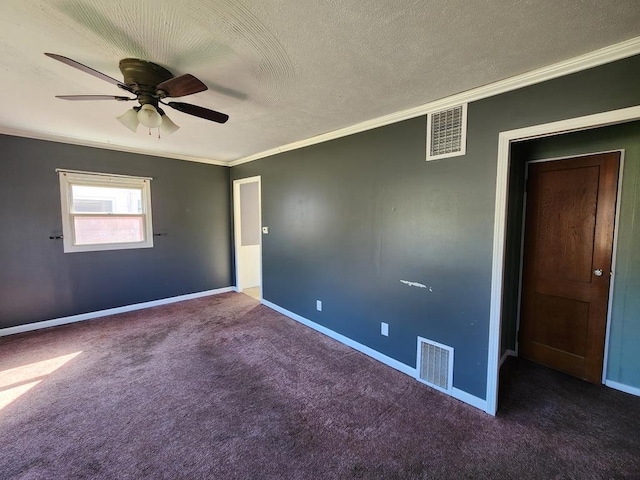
(224, 388)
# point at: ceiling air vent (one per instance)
(447, 133)
(435, 364)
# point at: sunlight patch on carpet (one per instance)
(15, 382)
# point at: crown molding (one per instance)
(50, 137)
(602, 56)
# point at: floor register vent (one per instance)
(435, 364)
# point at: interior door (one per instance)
(569, 225)
(247, 232)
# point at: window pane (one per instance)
(89, 199)
(103, 229)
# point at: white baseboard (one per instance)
(111, 311)
(406, 369)
(468, 398)
(507, 354)
(346, 340)
(623, 388)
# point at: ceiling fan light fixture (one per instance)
(167, 127)
(129, 119)
(149, 116)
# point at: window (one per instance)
(104, 212)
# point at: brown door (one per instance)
(567, 262)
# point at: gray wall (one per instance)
(190, 203)
(352, 217)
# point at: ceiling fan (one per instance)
(151, 84)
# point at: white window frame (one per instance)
(463, 133)
(68, 178)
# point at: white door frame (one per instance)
(236, 225)
(499, 230)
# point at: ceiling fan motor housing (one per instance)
(143, 77)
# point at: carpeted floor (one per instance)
(224, 388)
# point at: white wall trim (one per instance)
(401, 367)
(110, 311)
(345, 340)
(623, 388)
(502, 181)
(472, 400)
(602, 56)
(51, 137)
(507, 354)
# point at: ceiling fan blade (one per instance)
(89, 70)
(94, 97)
(180, 86)
(199, 111)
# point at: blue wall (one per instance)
(352, 217)
(190, 203)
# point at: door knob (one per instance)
(597, 272)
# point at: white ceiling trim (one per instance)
(602, 56)
(104, 145)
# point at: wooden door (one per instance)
(567, 262)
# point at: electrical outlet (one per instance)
(319, 305)
(384, 329)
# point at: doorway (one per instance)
(247, 216)
(499, 335)
(567, 262)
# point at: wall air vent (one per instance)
(447, 133)
(435, 365)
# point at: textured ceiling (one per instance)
(284, 70)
